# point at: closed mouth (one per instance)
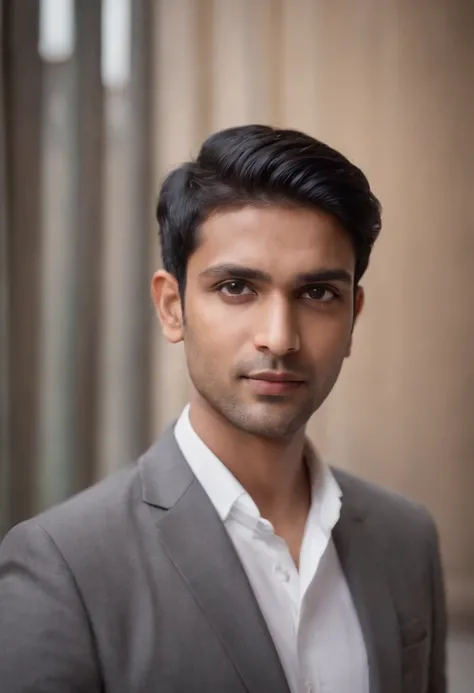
(276, 377)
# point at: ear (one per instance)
(359, 301)
(165, 295)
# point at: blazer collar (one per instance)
(195, 540)
(164, 473)
(360, 548)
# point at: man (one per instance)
(230, 557)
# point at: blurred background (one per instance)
(98, 100)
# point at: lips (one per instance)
(274, 383)
(276, 376)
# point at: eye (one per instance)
(235, 287)
(323, 294)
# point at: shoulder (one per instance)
(105, 499)
(395, 513)
(87, 519)
(400, 531)
(107, 519)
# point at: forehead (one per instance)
(278, 240)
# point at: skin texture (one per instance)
(248, 309)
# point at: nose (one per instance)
(276, 329)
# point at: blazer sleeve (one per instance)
(46, 644)
(437, 671)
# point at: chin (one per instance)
(268, 424)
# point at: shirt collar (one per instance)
(218, 482)
(225, 491)
(326, 494)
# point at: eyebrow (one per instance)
(226, 270)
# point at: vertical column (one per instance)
(59, 272)
(23, 84)
(125, 306)
(5, 460)
(432, 324)
(235, 64)
(142, 69)
(302, 64)
(267, 60)
(88, 229)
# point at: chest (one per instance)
(308, 609)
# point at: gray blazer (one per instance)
(134, 586)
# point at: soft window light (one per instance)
(116, 42)
(56, 30)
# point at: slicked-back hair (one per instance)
(261, 165)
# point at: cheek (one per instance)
(218, 324)
(327, 337)
(210, 344)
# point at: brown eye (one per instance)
(236, 287)
(319, 293)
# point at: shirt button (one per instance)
(283, 573)
(265, 526)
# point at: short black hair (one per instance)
(258, 164)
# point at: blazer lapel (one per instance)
(196, 541)
(361, 557)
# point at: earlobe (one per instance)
(167, 301)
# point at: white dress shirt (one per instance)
(309, 613)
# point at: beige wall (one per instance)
(390, 84)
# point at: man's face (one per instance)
(269, 310)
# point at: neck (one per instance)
(271, 470)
